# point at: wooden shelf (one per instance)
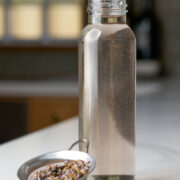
(44, 112)
(36, 113)
(40, 45)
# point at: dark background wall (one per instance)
(37, 64)
(168, 12)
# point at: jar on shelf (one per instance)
(26, 19)
(2, 25)
(64, 19)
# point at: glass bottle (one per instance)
(107, 54)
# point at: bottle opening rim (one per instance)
(116, 7)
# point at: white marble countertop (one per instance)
(157, 132)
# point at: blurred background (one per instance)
(39, 58)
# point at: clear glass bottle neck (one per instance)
(107, 11)
(105, 19)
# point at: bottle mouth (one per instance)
(107, 7)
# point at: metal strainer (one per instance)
(54, 157)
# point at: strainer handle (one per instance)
(85, 141)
